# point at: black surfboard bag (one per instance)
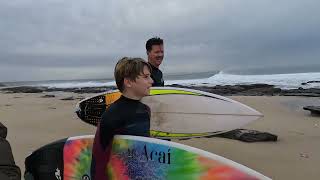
(8, 168)
(46, 163)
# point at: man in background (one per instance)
(155, 52)
(154, 47)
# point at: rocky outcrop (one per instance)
(311, 92)
(24, 89)
(33, 89)
(48, 96)
(68, 98)
(310, 82)
(312, 109)
(254, 90)
(226, 90)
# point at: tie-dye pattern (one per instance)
(183, 164)
(133, 159)
(77, 158)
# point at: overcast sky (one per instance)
(72, 39)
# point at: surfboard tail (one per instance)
(46, 162)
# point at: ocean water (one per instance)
(284, 81)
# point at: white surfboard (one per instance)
(179, 111)
(197, 112)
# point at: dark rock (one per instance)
(24, 89)
(247, 135)
(68, 98)
(244, 90)
(84, 89)
(270, 91)
(80, 97)
(254, 86)
(301, 94)
(30, 89)
(311, 92)
(48, 96)
(224, 90)
(91, 90)
(313, 82)
(312, 109)
(309, 82)
(182, 139)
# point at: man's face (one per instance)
(141, 86)
(155, 55)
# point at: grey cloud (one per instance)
(203, 36)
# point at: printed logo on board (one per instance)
(163, 157)
(85, 177)
(58, 174)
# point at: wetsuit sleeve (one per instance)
(109, 126)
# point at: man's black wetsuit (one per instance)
(156, 76)
(124, 116)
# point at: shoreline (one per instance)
(225, 90)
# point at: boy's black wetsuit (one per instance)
(124, 116)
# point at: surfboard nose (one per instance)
(259, 114)
(78, 111)
(254, 112)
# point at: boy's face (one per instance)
(141, 87)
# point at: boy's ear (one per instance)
(127, 82)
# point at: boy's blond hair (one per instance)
(129, 68)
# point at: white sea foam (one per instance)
(284, 81)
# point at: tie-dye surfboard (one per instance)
(135, 157)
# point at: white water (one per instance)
(284, 81)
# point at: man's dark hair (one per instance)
(153, 41)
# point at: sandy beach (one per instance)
(33, 121)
